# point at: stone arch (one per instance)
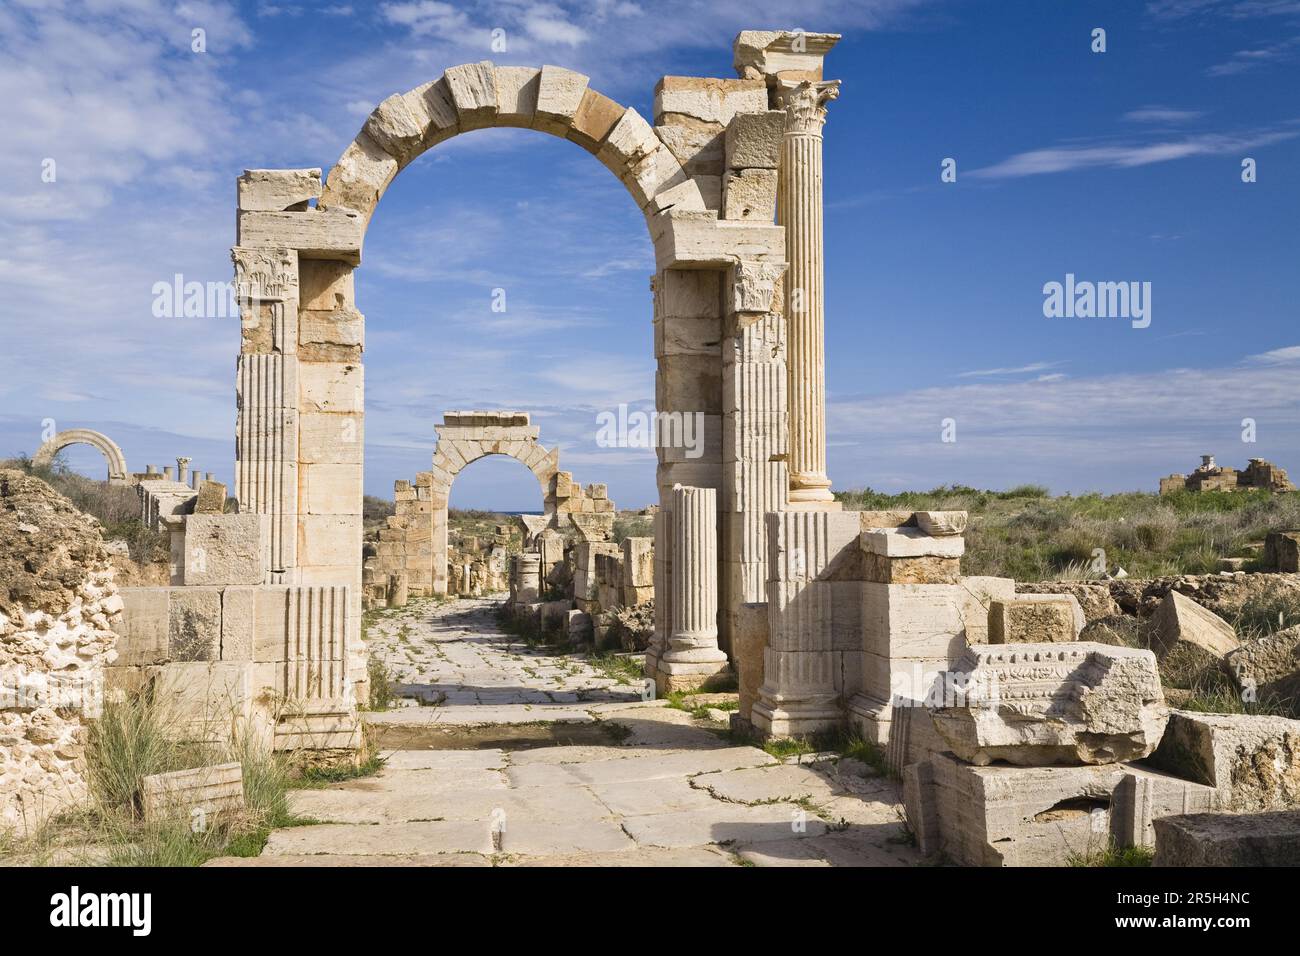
(480, 95)
(465, 437)
(117, 473)
(705, 178)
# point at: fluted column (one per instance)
(692, 656)
(799, 209)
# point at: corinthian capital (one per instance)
(805, 104)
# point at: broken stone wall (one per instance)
(59, 608)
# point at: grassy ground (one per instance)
(131, 741)
(1025, 534)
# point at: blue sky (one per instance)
(1115, 166)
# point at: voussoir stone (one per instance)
(1044, 704)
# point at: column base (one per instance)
(831, 505)
(785, 716)
(672, 676)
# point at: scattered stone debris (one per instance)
(1211, 477)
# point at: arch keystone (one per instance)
(473, 89)
(517, 89)
(559, 94)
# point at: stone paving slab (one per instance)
(398, 839)
(641, 856)
(732, 822)
(655, 787)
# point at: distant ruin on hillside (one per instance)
(1211, 477)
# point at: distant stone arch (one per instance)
(117, 473)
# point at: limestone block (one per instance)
(473, 88)
(697, 146)
(1044, 704)
(211, 498)
(689, 383)
(1038, 816)
(919, 570)
(436, 102)
(194, 624)
(1183, 629)
(331, 438)
(331, 387)
(781, 55)
(979, 593)
(356, 182)
(225, 549)
(753, 289)
(397, 126)
(910, 543)
(748, 648)
(630, 141)
(1268, 668)
(1079, 620)
(324, 285)
(560, 92)
(1093, 597)
(941, 523)
(593, 120)
(337, 336)
(1252, 761)
(331, 489)
(329, 540)
(873, 520)
(143, 633)
(707, 99)
(638, 562)
(658, 182)
(208, 790)
(517, 88)
(1032, 622)
(239, 622)
(911, 621)
(753, 140)
(315, 233)
(749, 194)
(1223, 839)
(278, 190)
(206, 701)
(685, 238)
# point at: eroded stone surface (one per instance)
(1042, 704)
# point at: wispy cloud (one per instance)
(1019, 370)
(1060, 159)
(1283, 356)
(1162, 114)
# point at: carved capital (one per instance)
(265, 275)
(753, 285)
(805, 104)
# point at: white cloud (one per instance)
(1060, 159)
(1161, 114)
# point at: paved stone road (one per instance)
(641, 783)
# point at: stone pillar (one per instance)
(183, 470)
(692, 657)
(530, 578)
(800, 212)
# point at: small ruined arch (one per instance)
(117, 473)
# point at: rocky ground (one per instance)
(526, 757)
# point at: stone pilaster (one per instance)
(800, 212)
(692, 657)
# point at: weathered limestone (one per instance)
(1268, 668)
(1034, 620)
(278, 190)
(1225, 839)
(692, 657)
(223, 549)
(1184, 629)
(1039, 816)
(59, 612)
(1043, 704)
(800, 200)
(1252, 761)
(196, 795)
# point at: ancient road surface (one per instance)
(475, 778)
